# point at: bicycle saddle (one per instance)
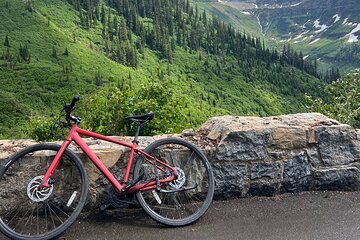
(140, 119)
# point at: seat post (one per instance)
(138, 127)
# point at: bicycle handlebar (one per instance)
(68, 108)
(74, 100)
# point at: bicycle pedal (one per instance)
(103, 207)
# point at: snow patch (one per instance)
(246, 13)
(303, 26)
(312, 42)
(353, 38)
(318, 25)
(305, 57)
(337, 18)
(296, 4)
(301, 35)
(356, 29)
(345, 21)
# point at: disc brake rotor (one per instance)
(34, 193)
(180, 180)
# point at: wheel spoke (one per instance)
(182, 207)
(32, 213)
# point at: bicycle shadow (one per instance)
(135, 217)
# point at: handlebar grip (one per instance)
(74, 100)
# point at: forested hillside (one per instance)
(326, 30)
(127, 57)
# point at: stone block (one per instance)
(265, 170)
(337, 179)
(229, 180)
(338, 145)
(288, 137)
(266, 189)
(297, 174)
(243, 146)
(314, 157)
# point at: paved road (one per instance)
(316, 215)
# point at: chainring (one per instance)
(117, 200)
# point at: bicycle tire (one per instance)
(39, 214)
(178, 208)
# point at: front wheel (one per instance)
(185, 199)
(27, 212)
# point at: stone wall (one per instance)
(290, 153)
(252, 156)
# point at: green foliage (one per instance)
(105, 111)
(343, 103)
(39, 128)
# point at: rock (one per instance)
(297, 174)
(188, 133)
(229, 180)
(243, 146)
(337, 179)
(288, 138)
(265, 170)
(262, 189)
(338, 145)
(314, 157)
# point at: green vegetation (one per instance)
(343, 103)
(130, 57)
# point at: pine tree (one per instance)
(102, 14)
(54, 54)
(29, 6)
(6, 42)
(24, 53)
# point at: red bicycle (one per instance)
(44, 187)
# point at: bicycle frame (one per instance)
(74, 135)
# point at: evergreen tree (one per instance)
(54, 54)
(6, 42)
(24, 53)
(29, 5)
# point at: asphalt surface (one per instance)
(314, 215)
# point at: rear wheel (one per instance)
(26, 212)
(187, 198)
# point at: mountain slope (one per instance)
(327, 30)
(323, 30)
(52, 50)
